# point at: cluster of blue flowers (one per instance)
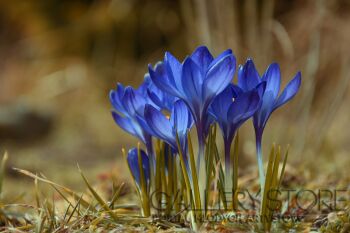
(198, 92)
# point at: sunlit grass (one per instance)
(89, 211)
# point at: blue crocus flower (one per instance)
(249, 78)
(231, 109)
(196, 81)
(129, 105)
(161, 99)
(133, 162)
(124, 102)
(166, 128)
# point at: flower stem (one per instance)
(201, 146)
(228, 180)
(201, 169)
(260, 161)
(150, 152)
(152, 164)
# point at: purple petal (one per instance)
(120, 90)
(144, 126)
(192, 80)
(243, 107)
(128, 125)
(159, 124)
(219, 76)
(260, 88)
(248, 76)
(236, 90)
(174, 70)
(161, 79)
(220, 57)
(154, 97)
(272, 77)
(133, 162)
(221, 103)
(202, 57)
(133, 102)
(115, 97)
(181, 118)
(289, 91)
(263, 114)
(142, 89)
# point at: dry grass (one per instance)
(110, 207)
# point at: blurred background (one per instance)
(60, 58)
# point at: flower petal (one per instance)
(160, 125)
(221, 103)
(128, 125)
(161, 79)
(203, 58)
(154, 97)
(260, 88)
(236, 90)
(263, 114)
(243, 107)
(181, 118)
(174, 70)
(192, 80)
(162, 100)
(220, 57)
(272, 77)
(248, 76)
(133, 162)
(219, 76)
(115, 97)
(144, 126)
(289, 91)
(142, 89)
(133, 102)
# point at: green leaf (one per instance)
(197, 197)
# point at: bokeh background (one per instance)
(60, 58)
